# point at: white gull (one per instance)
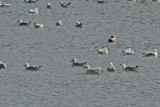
(151, 53)
(90, 70)
(75, 63)
(31, 68)
(128, 68)
(103, 50)
(111, 67)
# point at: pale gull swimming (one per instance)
(75, 63)
(31, 68)
(151, 53)
(21, 23)
(66, 5)
(111, 67)
(2, 65)
(128, 68)
(49, 6)
(90, 70)
(35, 10)
(36, 25)
(4, 4)
(79, 24)
(103, 50)
(112, 39)
(128, 51)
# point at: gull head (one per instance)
(73, 60)
(86, 67)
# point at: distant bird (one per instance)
(150, 53)
(49, 6)
(38, 25)
(112, 39)
(79, 24)
(4, 5)
(155, 0)
(31, 1)
(128, 68)
(111, 68)
(128, 51)
(2, 65)
(35, 10)
(66, 5)
(90, 70)
(21, 23)
(59, 23)
(75, 63)
(103, 50)
(31, 68)
(101, 1)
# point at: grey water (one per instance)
(57, 83)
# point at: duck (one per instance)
(38, 25)
(111, 68)
(79, 24)
(90, 70)
(112, 39)
(59, 23)
(35, 10)
(129, 68)
(2, 65)
(151, 53)
(103, 50)
(128, 51)
(49, 6)
(31, 68)
(100, 1)
(31, 1)
(75, 63)
(4, 5)
(21, 23)
(65, 5)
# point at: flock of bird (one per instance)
(112, 68)
(80, 25)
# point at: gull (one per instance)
(21, 23)
(75, 63)
(31, 68)
(31, 1)
(59, 23)
(49, 6)
(64, 4)
(128, 51)
(128, 68)
(2, 65)
(38, 25)
(79, 24)
(35, 10)
(90, 70)
(112, 39)
(150, 53)
(111, 67)
(4, 5)
(102, 51)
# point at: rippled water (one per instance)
(57, 84)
